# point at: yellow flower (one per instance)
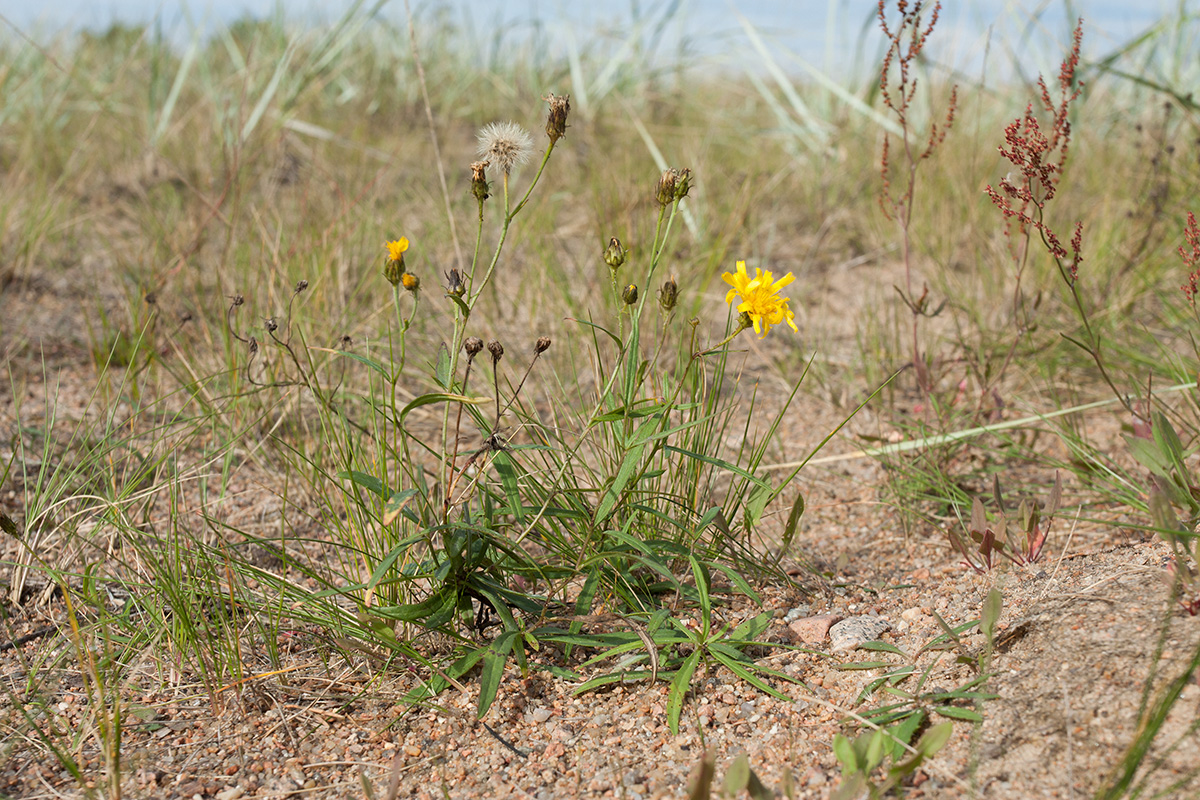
(760, 297)
(396, 249)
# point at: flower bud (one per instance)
(479, 183)
(668, 294)
(614, 255)
(630, 295)
(473, 345)
(542, 345)
(683, 183)
(411, 282)
(496, 349)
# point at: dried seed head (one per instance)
(664, 193)
(301, 285)
(505, 144)
(473, 345)
(270, 324)
(236, 300)
(151, 298)
(556, 119)
(346, 341)
(496, 349)
(541, 345)
(411, 282)
(479, 183)
(668, 294)
(253, 345)
(630, 295)
(614, 254)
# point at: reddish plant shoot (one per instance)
(1038, 158)
(1191, 257)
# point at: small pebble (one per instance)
(813, 629)
(850, 633)
(542, 714)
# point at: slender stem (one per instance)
(529, 191)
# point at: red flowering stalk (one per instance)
(905, 43)
(1038, 158)
(1191, 258)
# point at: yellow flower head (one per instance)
(396, 249)
(760, 297)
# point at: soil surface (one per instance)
(1082, 634)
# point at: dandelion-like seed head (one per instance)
(760, 300)
(505, 144)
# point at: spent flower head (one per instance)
(505, 144)
(479, 182)
(556, 118)
(668, 295)
(760, 299)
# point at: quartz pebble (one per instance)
(813, 630)
(850, 633)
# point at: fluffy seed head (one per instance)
(505, 144)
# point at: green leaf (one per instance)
(364, 480)
(935, 739)
(679, 689)
(613, 493)
(494, 659)
(1149, 455)
(441, 370)
(760, 495)
(843, 749)
(993, 604)
(396, 503)
(954, 712)
(737, 776)
(375, 365)
(702, 785)
(717, 462)
(462, 306)
(886, 647)
(904, 732)
(506, 470)
(793, 521)
(862, 665)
